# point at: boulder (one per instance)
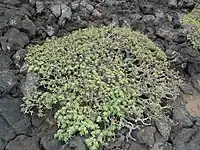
(5, 62)
(29, 27)
(146, 136)
(23, 142)
(7, 81)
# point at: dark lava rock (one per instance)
(29, 27)
(40, 7)
(11, 2)
(148, 19)
(15, 22)
(183, 136)
(6, 131)
(51, 30)
(164, 32)
(146, 136)
(65, 147)
(147, 9)
(180, 37)
(24, 68)
(172, 4)
(160, 143)
(66, 14)
(164, 127)
(196, 81)
(7, 81)
(5, 62)
(187, 89)
(136, 146)
(193, 68)
(9, 48)
(176, 21)
(23, 142)
(32, 2)
(11, 111)
(182, 117)
(16, 37)
(56, 10)
(77, 143)
(186, 4)
(18, 57)
(50, 143)
(2, 145)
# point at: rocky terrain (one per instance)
(25, 22)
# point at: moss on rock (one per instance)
(98, 77)
(192, 19)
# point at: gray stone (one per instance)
(148, 19)
(77, 143)
(83, 3)
(25, 38)
(146, 136)
(96, 14)
(136, 146)
(23, 142)
(196, 81)
(3, 25)
(113, 2)
(196, 139)
(2, 145)
(192, 146)
(6, 132)
(66, 14)
(9, 13)
(29, 9)
(50, 143)
(29, 27)
(172, 3)
(89, 7)
(32, 2)
(7, 81)
(30, 84)
(15, 37)
(56, 10)
(75, 4)
(39, 7)
(18, 57)
(12, 2)
(162, 146)
(160, 143)
(187, 146)
(24, 68)
(11, 111)
(5, 62)
(50, 30)
(186, 3)
(164, 32)
(15, 22)
(182, 117)
(187, 89)
(183, 136)
(65, 147)
(164, 127)
(9, 48)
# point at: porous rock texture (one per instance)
(24, 22)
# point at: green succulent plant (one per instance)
(192, 20)
(96, 78)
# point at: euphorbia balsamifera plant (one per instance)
(97, 78)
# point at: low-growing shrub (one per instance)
(192, 19)
(97, 78)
